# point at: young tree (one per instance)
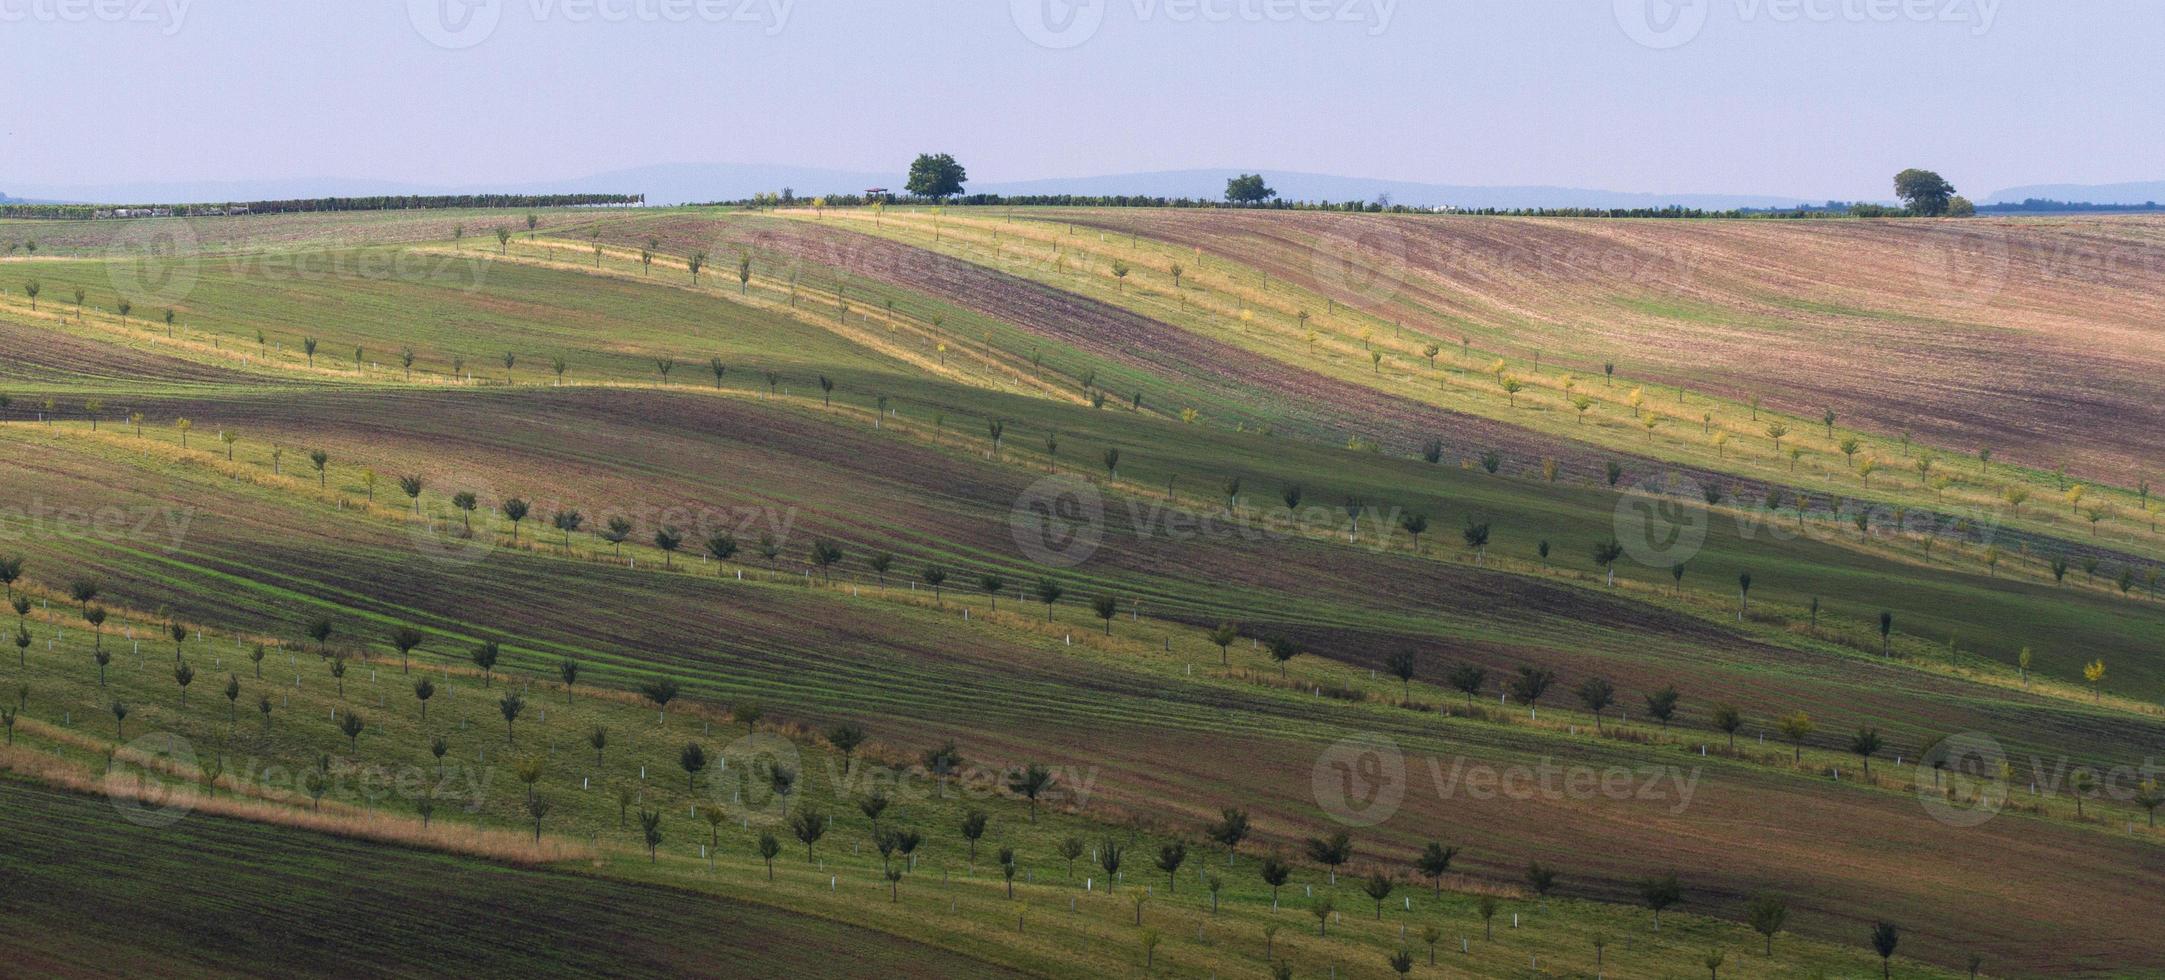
(668, 539)
(567, 521)
(1283, 650)
(1434, 862)
(650, 828)
(1401, 664)
(1468, 680)
(1048, 592)
(1230, 829)
(510, 706)
(423, 690)
(659, 693)
(1542, 879)
(1486, 907)
(484, 655)
(1171, 856)
(1222, 637)
(1031, 782)
(1662, 705)
(1531, 683)
(1885, 936)
(693, 759)
(1106, 607)
(1331, 852)
(1415, 525)
(1378, 888)
(1476, 535)
(769, 847)
(1865, 744)
(1596, 693)
(1766, 914)
(1796, 727)
(809, 824)
(567, 670)
(514, 510)
(1606, 554)
(183, 675)
(973, 829)
(1660, 893)
(617, 531)
(351, 725)
(1727, 719)
(845, 738)
(405, 639)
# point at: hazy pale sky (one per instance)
(1806, 97)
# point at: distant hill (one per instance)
(2139, 192)
(680, 183)
(1293, 185)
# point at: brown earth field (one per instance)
(85, 894)
(1167, 747)
(1174, 367)
(2035, 336)
(747, 467)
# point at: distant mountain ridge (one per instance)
(2137, 192)
(681, 183)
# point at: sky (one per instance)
(1806, 98)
